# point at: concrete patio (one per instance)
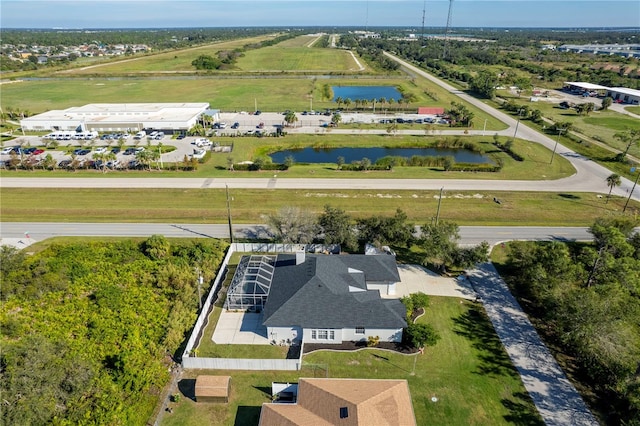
(240, 328)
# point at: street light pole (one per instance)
(556, 145)
(439, 202)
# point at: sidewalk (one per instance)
(554, 396)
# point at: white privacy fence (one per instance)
(191, 361)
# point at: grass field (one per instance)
(300, 41)
(633, 109)
(172, 61)
(249, 206)
(468, 371)
(278, 58)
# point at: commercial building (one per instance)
(624, 95)
(168, 117)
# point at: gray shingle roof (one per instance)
(315, 294)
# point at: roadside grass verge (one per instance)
(467, 370)
(119, 205)
(633, 109)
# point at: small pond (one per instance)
(313, 155)
(365, 92)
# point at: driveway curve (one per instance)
(556, 399)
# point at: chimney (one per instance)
(300, 257)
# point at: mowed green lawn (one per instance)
(468, 372)
(278, 58)
(249, 206)
(173, 61)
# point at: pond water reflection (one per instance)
(330, 155)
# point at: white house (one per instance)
(321, 298)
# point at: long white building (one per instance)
(169, 117)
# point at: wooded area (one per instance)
(585, 299)
(88, 328)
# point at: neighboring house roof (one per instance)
(430, 110)
(327, 291)
(349, 402)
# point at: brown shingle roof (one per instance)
(216, 386)
(367, 402)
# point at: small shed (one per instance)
(213, 388)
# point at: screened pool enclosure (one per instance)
(251, 282)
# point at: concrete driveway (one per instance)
(418, 279)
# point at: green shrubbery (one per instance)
(86, 327)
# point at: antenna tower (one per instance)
(424, 7)
(446, 31)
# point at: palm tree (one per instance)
(339, 100)
(347, 103)
(612, 181)
(336, 118)
(628, 137)
(290, 118)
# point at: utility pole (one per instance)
(517, 123)
(229, 215)
(200, 280)
(439, 202)
(556, 145)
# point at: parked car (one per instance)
(7, 150)
(180, 137)
(38, 151)
(115, 150)
(258, 112)
(129, 151)
(235, 125)
(101, 150)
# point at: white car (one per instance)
(101, 150)
(202, 142)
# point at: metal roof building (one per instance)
(169, 117)
(628, 96)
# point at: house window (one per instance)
(323, 334)
(344, 412)
(359, 330)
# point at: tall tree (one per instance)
(629, 137)
(292, 225)
(613, 180)
(338, 227)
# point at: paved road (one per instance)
(469, 234)
(555, 397)
(588, 172)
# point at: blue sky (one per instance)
(216, 13)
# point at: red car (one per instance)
(38, 151)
